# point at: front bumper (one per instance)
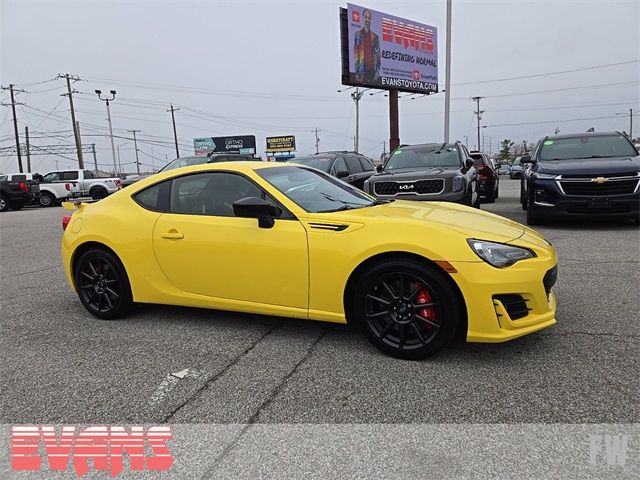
(487, 317)
(456, 197)
(549, 201)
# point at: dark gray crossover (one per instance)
(431, 171)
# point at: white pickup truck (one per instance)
(63, 184)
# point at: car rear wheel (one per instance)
(103, 285)
(47, 200)
(406, 310)
(4, 204)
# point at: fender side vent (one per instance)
(328, 226)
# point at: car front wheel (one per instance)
(405, 309)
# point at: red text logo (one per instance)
(407, 34)
(106, 446)
(416, 74)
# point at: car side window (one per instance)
(3, 178)
(150, 198)
(353, 164)
(18, 178)
(69, 175)
(339, 166)
(52, 177)
(212, 193)
(88, 174)
(366, 164)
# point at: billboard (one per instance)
(281, 144)
(234, 144)
(387, 52)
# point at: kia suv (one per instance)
(430, 171)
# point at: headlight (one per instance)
(498, 254)
(544, 176)
(458, 184)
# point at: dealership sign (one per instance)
(236, 144)
(281, 144)
(387, 52)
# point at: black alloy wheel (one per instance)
(4, 203)
(103, 285)
(47, 200)
(99, 193)
(406, 310)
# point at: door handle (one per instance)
(173, 235)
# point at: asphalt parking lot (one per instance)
(60, 365)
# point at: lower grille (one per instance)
(420, 187)
(586, 209)
(550, 279)
(515, 305)
(611, 187)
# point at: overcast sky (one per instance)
(273, 68)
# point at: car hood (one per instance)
(470, 222)
(414, 173)
(590, 166)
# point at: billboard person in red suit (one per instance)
(366, 51)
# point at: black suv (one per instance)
(351, 167)
(431, 171)
(585, 175)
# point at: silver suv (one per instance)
(430, 171)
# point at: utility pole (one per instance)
(630, 122)
(76, 133)
(26, 139)
(113, 148)
(447, 92)
(15, 122)
(466, 140)
(479, 113)
(95, 160)
(357, 95)
(317, 140)
(135, 146)
(175, 135)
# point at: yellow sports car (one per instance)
(288, 240)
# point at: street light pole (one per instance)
(107, 100)
(479, 113)
(357, 95)
(447, 93)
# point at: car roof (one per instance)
(583, 134)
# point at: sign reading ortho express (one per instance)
(235, 144)
(389, 52)
(281, 144)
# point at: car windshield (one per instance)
(321, 163)
(602, 146)
(315, 191)
(425, 156)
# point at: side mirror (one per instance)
(379, 168)
(342, 173)
(526, 159)
(253, 207)
(468, 163)
(498, 165)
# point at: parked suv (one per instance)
(488, 179)
(351, 167)
(15, 193)
(585, 175)
(431, 171)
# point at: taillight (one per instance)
(67, 186)
(23, 187)
(65, 221)
(118, 182)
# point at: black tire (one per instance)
(405, 309)
(497, 189)
(103, 285)
(99, 193)
(16, 205)
(532, 218)
(491, 196)
(47, 200)
(4, 203)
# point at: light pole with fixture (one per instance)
(113, 148)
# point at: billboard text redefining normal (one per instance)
(387, 52)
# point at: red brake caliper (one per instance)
(429, 313)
